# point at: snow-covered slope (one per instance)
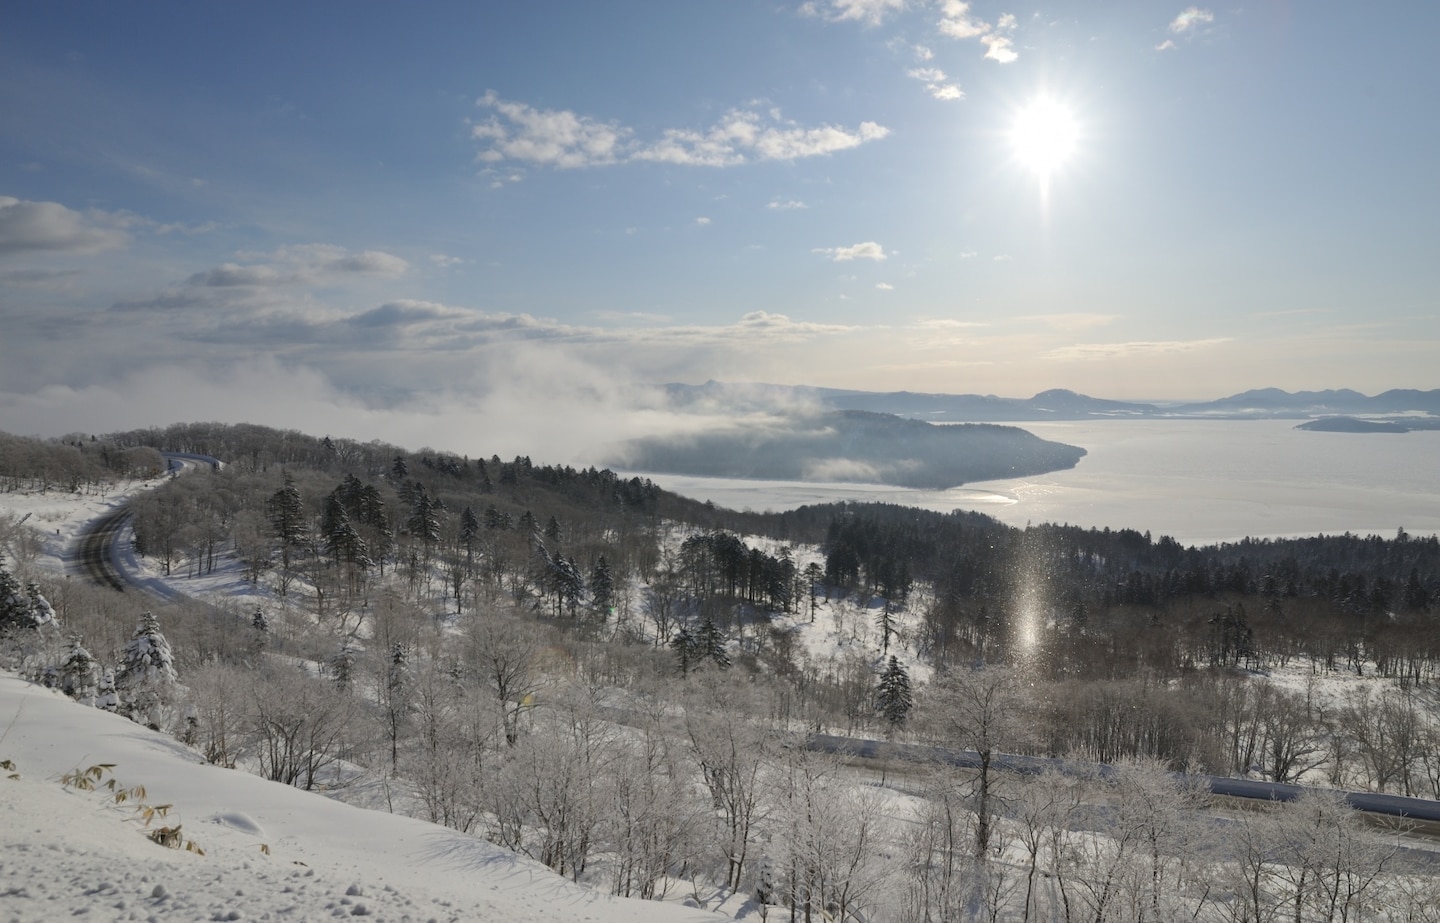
(271, 852)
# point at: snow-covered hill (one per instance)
(271, 852)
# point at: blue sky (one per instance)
(392, 216)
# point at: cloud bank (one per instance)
(562, 139)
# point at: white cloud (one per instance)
(936, 83)
(563, 139)
(234, 274)
(787, 205)
(869, 250)
(549, 137)
(445, 261)
(300, 265)
(885, 286)
(1165, 45)
(999, 48)
(922, 53)
(702, 221)
(30, 226)
(405, 312)
(1191, 18)
(742, 135)
(956, 21)
(870, 12)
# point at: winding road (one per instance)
(95, 549)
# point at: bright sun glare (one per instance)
(1044, 135)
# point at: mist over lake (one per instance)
(1200, 481)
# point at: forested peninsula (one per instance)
(857, 446)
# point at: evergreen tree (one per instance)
(41, 612)
(342, 540)
(79, 674)
(105, 695)
(399, 470)
(286, 512)
(602, 587)
(259, 631)
(564, 580)
(146, 678)
(21, 611)
(710, 643)
(469, 533)
(683, 644)
(892, 697)
(342, 666)
(424, 519)
(885, 622)
(814, 573)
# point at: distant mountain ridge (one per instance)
(1056, 404)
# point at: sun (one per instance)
(1044, 135)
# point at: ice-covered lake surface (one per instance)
(1200, 481)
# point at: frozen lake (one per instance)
(1200, 481)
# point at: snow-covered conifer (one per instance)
(146, 678)
(41, 612)
(21, 610)
(892, 698)
(79, 674)
(105, 695)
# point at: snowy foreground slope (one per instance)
(66, 853)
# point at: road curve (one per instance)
(95, 552)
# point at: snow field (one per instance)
(65, 852)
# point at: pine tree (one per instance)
(21, 610)
(885, 622)
(424, 519)
(342, 666)
(286, 511)
(683, 644)
(105, 695)
(342, 540)
(814, 573)
(710, 643)
(41, 612)
(146, 678)
(79, 674)
(469, 533)
(892, 697)
(602, 587)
